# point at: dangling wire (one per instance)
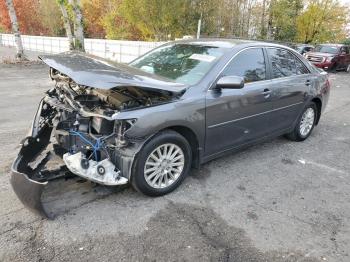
(96, 147)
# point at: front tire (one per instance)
(305, 124)
(162, 164)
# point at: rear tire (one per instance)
(162, 164)
(305, 124)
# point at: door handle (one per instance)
(308, 82)
(266, 92)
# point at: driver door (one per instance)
(238, 116)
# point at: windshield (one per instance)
(183, 63)
(326, 49)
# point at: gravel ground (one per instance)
(277, 201)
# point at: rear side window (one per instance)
(282, 62)
(249, 64)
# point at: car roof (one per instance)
(227, 43)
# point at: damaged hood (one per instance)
(89, 70)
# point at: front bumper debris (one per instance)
(102, 172)
(36, 163)
(27, 189)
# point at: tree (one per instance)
(15, 30)
(50, 17)
(263, 25)
(208, 10)
(5, 22)
(322, 21)
(78, 24)
(94, 12)
(28, 14)
(117, 27)
(66, 21)
(71, 13)
(158, 19)
(103, 19)
(283, 19)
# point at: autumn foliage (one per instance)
(310, 21)
(28, 17)
(5, 24)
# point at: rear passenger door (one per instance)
(290, 81)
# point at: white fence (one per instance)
(117, 50)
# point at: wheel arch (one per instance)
(191, 138)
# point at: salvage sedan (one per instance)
(147, 123)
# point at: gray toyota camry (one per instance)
(180, 105)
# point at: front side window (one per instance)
(249, 64)
(282, 62)
(183, 63)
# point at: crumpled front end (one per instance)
(79, 126)
(25, 180)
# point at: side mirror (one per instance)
(230, 82)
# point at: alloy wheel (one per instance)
(307, 122)
(164, 165)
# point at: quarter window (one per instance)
(249, 64)
(282, 61)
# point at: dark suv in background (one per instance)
(330, 57)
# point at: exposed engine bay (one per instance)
(85, 125)
(79, 125)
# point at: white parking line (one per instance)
(325, 167)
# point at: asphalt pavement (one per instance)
(277, 201)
